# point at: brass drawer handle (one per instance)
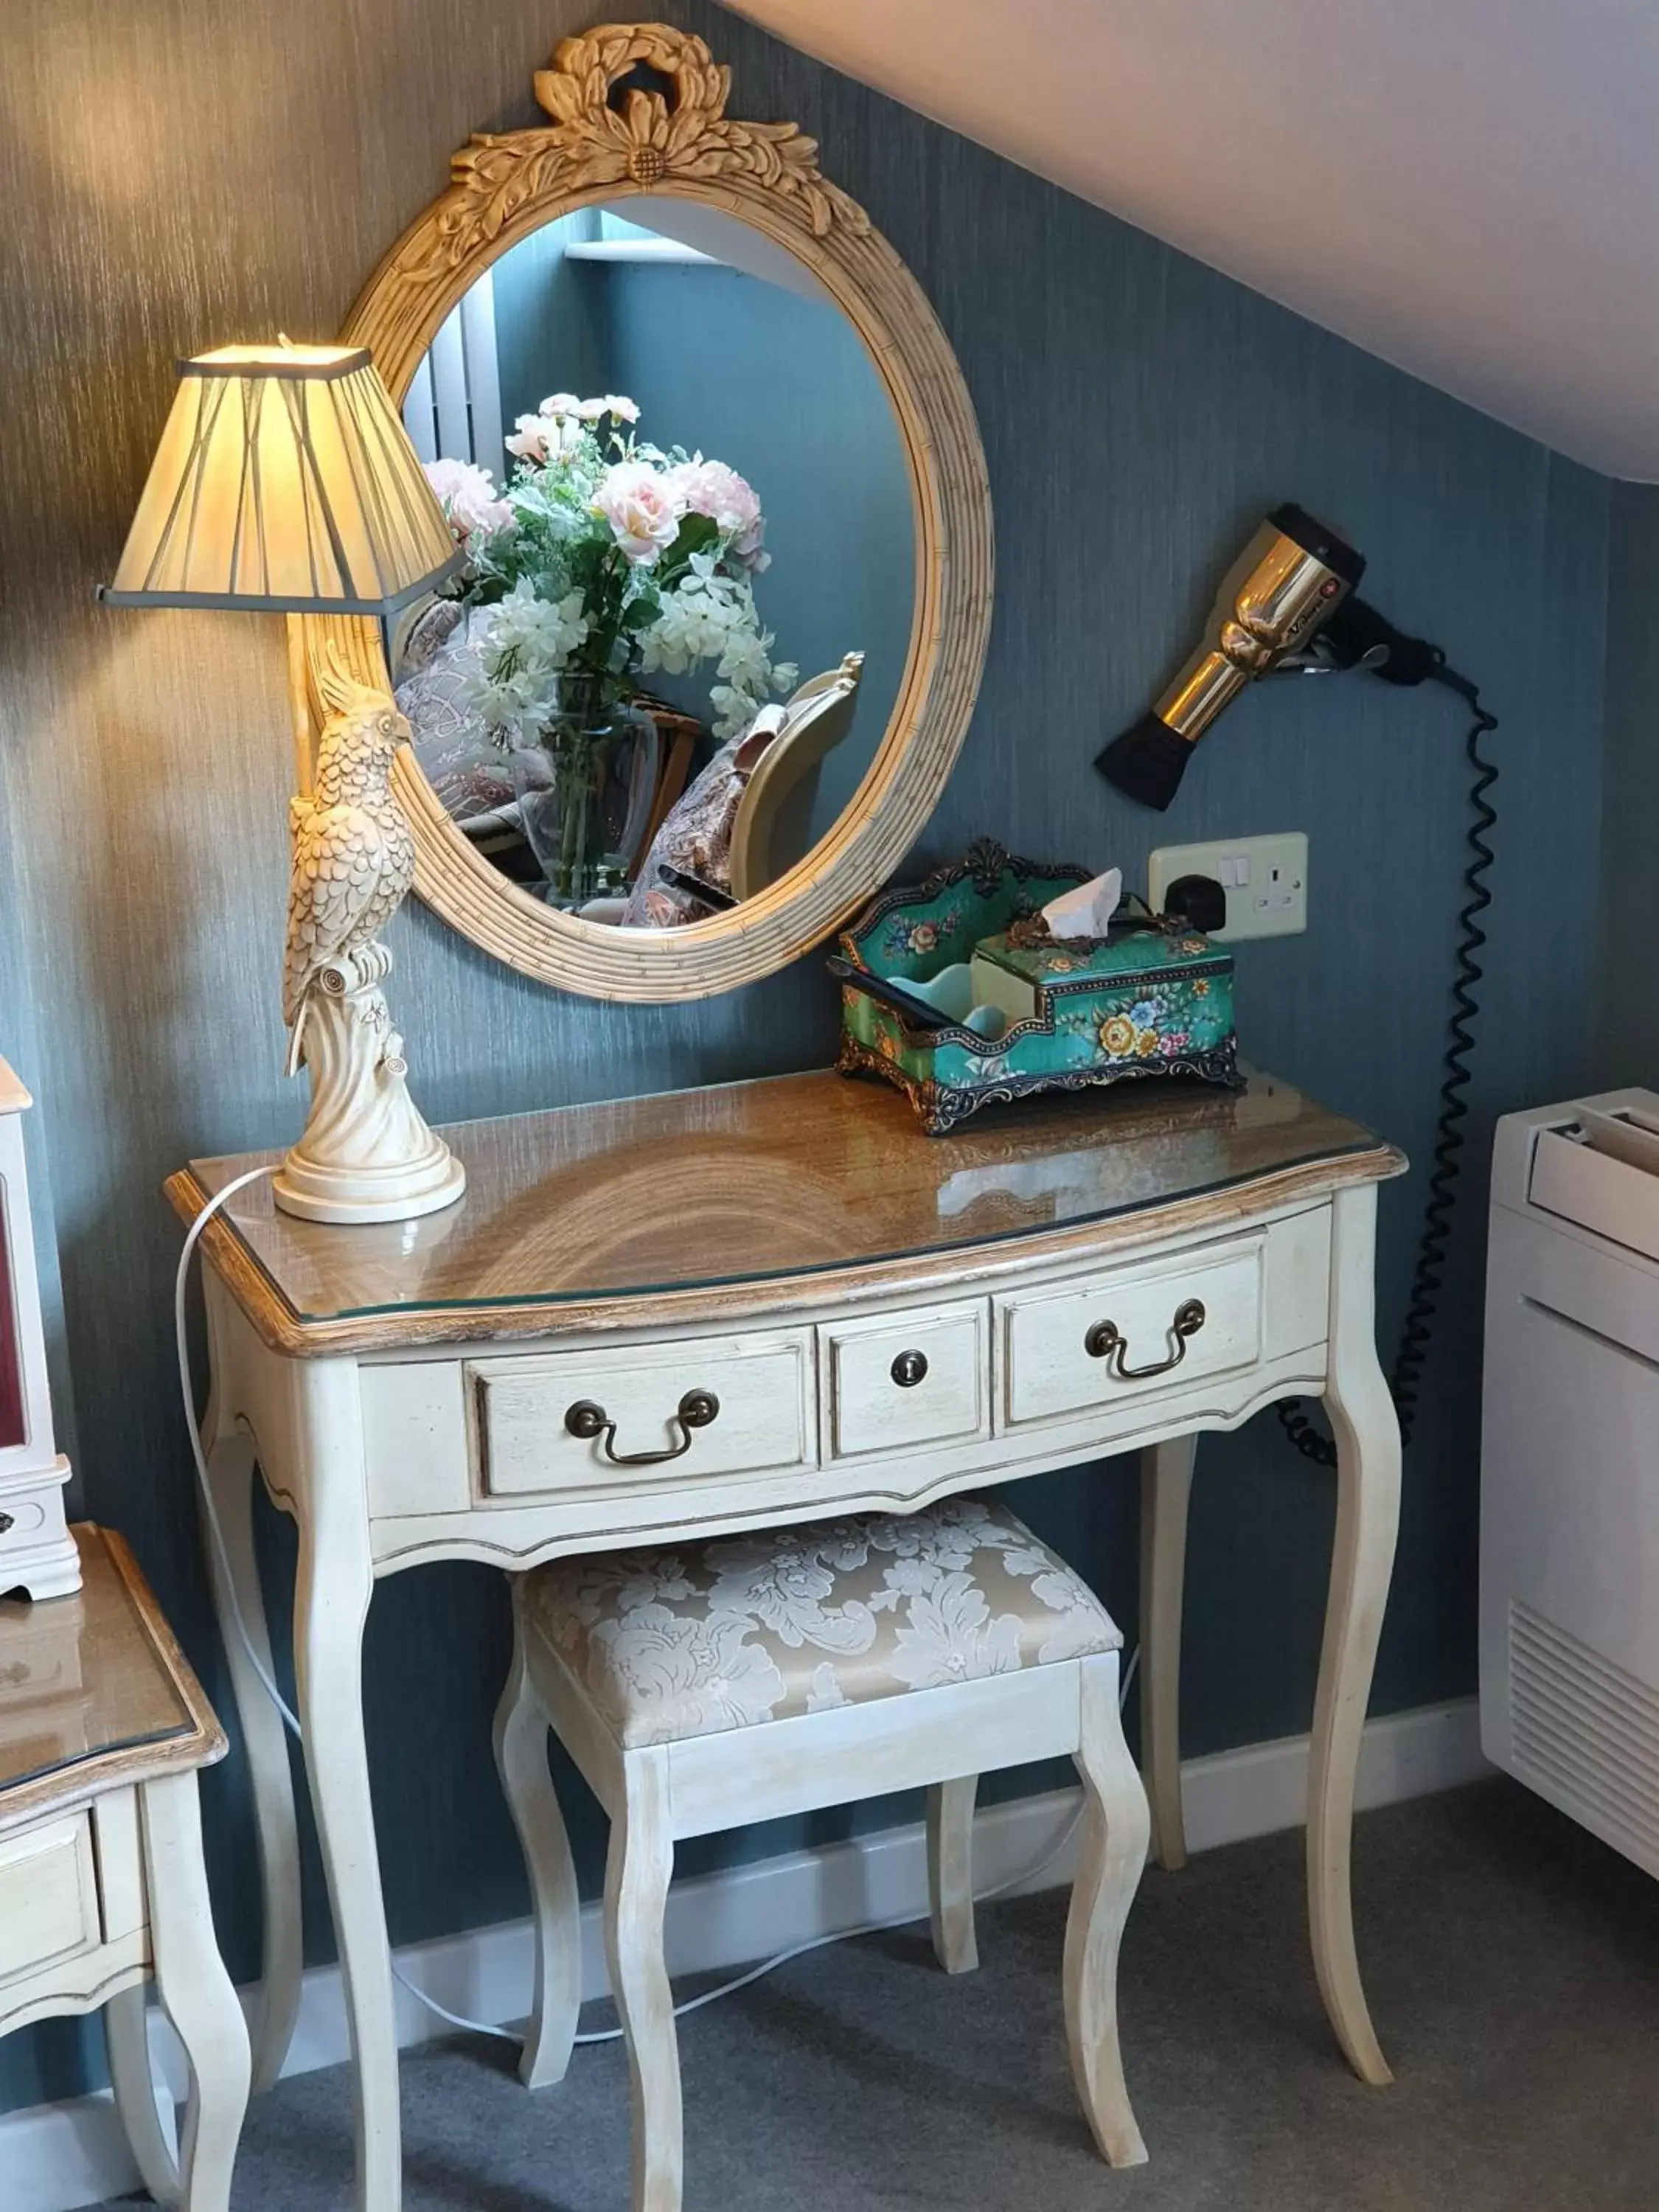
(909, 1369)
(1105, 1340)
(586, 1419)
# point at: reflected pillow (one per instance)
(458, 757)
(696, 838)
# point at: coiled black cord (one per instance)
(1428, 1276)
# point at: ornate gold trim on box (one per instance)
(605, 145)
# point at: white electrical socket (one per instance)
(1266, 880)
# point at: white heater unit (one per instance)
(1569, 1465)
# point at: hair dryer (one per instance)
(1289, 591)
(1288, 603)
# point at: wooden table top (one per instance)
(95, 1693)
(748, 1197)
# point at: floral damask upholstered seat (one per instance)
(750, 1628)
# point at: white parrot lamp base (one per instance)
(367, 1155)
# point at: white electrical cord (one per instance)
(192, 1238)
(290, 1721)
(187, 1384)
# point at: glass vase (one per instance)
(573, 790)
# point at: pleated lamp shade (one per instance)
(284, 480)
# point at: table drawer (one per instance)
(48, 1897)
(909, 1379)
(574, 1421)
(1117, 1335)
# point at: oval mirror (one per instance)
(727, 583)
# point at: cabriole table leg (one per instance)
(1367, 1520)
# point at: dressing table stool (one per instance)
(751, 1677)
(103, 1728)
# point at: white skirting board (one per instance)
(57, 2157)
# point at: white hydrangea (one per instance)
(531, 632)
(527, 643)
(745, 661)
(696, 620)
(709, 616)
(513, 708)
(733, 709)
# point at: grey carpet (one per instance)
(1513, 1969)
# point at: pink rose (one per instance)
(543, 438)
(531, 435)
(467, 497)
(643, 508)
(728, 500)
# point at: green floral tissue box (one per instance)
(1003, 1010)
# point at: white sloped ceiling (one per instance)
(1468, 188)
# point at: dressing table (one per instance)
(769, 1302)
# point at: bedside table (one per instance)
(102, 1729)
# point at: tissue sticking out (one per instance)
(1087, 911)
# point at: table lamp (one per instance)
(285, 480)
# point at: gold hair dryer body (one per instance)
(1289, 579)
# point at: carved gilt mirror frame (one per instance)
(605, 144)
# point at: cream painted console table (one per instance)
(766, 1303)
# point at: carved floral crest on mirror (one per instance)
(645, 234)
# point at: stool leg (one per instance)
(950, 1872)
(636, 1876)
(1116, 1825)
(521, 1732)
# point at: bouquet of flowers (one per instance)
(606, 559)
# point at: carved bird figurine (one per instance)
(354, 857)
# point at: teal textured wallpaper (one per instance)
(805, 419)
(1627, 1026)
(241, 169)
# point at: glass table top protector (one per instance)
(787, 1175)
(80, 1676)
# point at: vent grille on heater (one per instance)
(1585, 1734)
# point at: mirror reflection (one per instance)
(686, 607)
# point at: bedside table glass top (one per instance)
(748, 1181)
(88, 1677)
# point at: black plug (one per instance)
(1199, 901)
